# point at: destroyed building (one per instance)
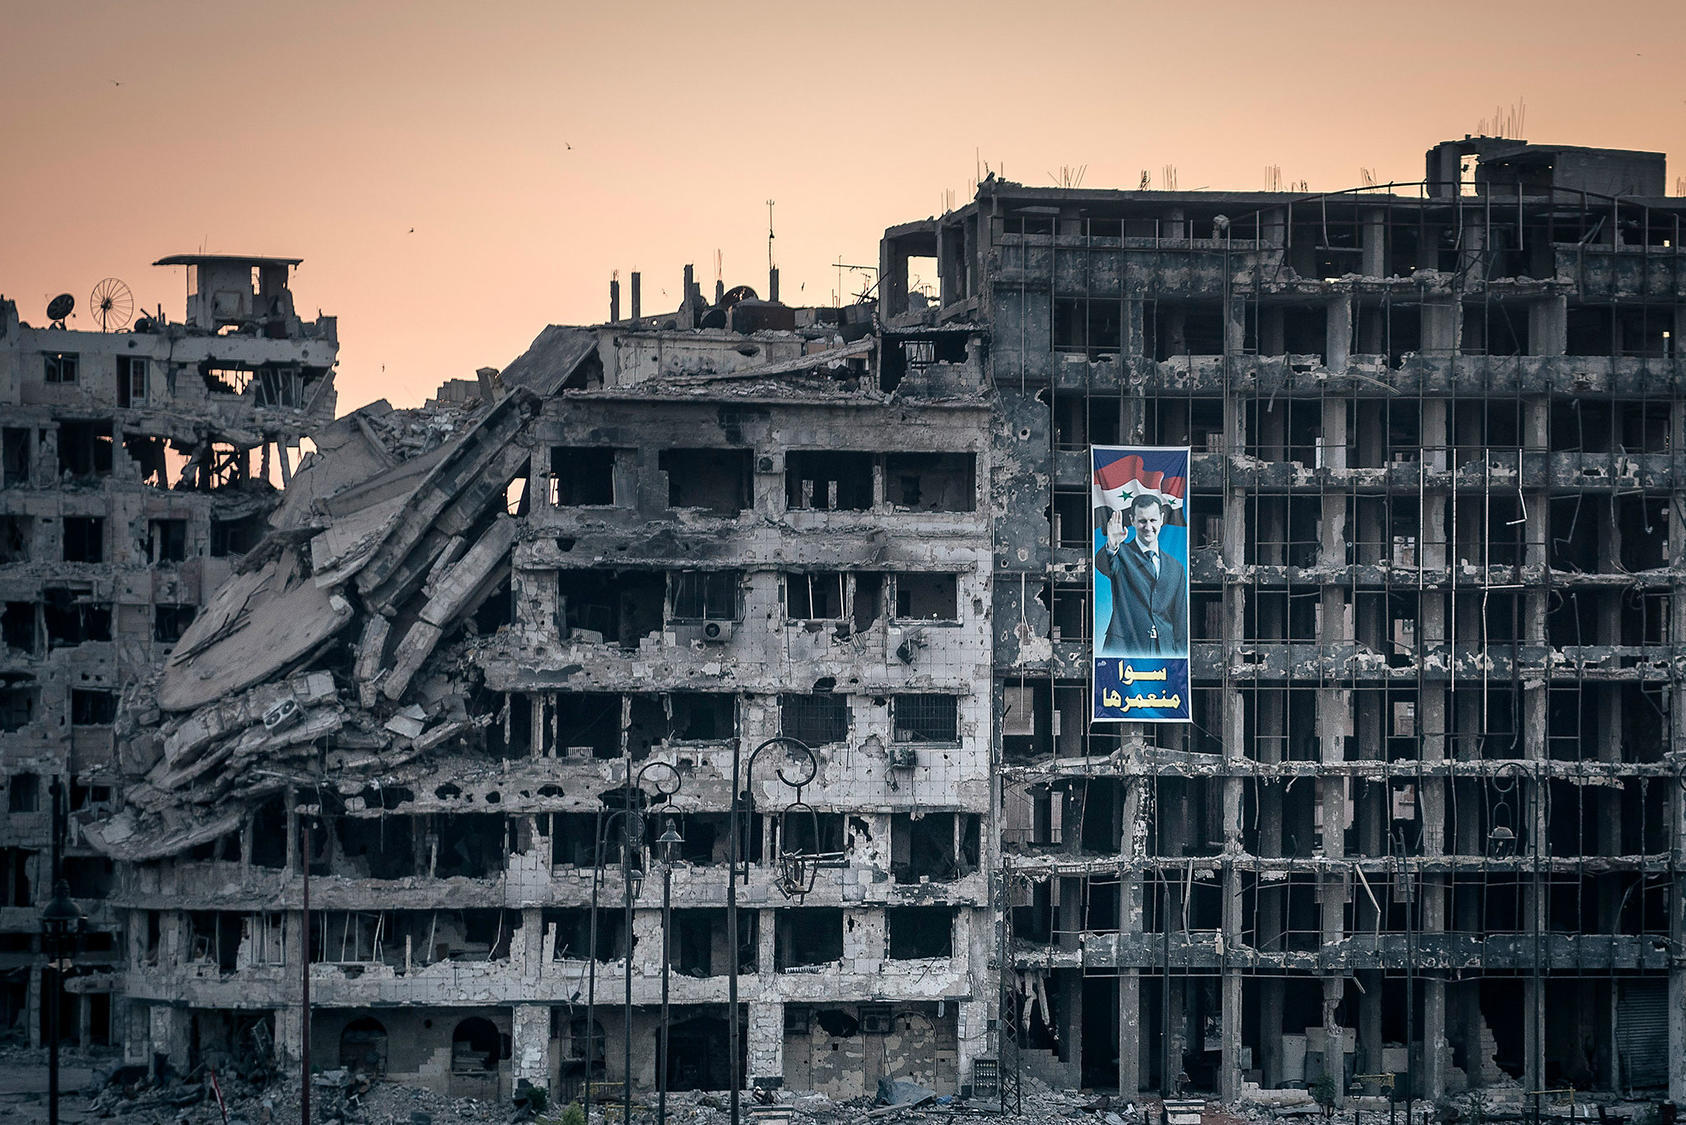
(136, 467)
(650, 542)
(1429, 818)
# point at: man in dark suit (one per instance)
(1149, 587)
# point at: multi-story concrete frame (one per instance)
(1428, 818)
(137, 467)
(649, 540)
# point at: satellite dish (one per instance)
(60, 307)
(113, 304)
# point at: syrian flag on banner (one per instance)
(1121, 475)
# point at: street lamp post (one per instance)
(668, 845)
(632, 829)
(795, 876)
(59, 922)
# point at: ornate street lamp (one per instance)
(796, 870)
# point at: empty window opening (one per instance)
(73, 618)
(85, 448)
(92, 708)
(17, 708)
(926, 718)
(1177, 329)
(927, 597)
(268, 833)
(571, 938)
(808, 938)
(15, 865)
(225, 380)
(214, 938)
(166, 541)
(816, 719)
(699, 942)
(14, 457)
(383, 847)
(169, 622)
(516, 497)
(84, 539)
(702, 716)
(237, 536)
(1495, 328)
(588, 724)
(1072, 515)
(61, 367)
(930, 482)
(151, 459)
(131, 380)
(15, 533)
(581, 476)
(1089, 327)
(89, 876)
(920, 931)
(23, 793)
(868, 600)
(618, 606)
(809, 833)
(935, 848)
(470, 844)
(704, 595)
(1081, 420)
(1070, 613)
(816, 596)
(716, 480)
(826, 481)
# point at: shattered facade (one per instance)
(136, 468)
(1429, 819)
(637, 544)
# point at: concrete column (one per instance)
(1375, 245)
(172, 1031)
(529, 1044)
(1069, 982)
(1337, 345)
(765, 1042)
(971, 1028)
(1133, 833)
(1548, 326)
(1442, 326)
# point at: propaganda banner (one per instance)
(1140, 630)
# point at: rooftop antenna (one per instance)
(769, 236)
(113, 304)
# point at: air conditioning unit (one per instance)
(902, 757)
(877, 1021)
(717, 632)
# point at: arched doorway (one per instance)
(476, 1050)
(363, 1046)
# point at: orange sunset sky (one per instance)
(456, 176)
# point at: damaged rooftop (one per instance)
(369, 700)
